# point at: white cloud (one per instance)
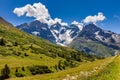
(95, 18)
(39, 12)
(80, 25)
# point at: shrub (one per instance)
(23, 69)
(18, 74)
(25, 54)
(5, 72)
(39, 69)
(16, 70)
(15, 44)
(2, 42)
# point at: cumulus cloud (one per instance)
(95, 18)
(39, 12)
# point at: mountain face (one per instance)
(55, 33)
(94, 40)
(94, 33)
(39, 29)
(89, 38)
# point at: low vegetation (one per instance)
(22, 54)
(110, 72)
(82, 72)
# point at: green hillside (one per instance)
(110, 72)
(22, 54)
(91, 47)
(87, 71)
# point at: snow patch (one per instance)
(44, 28)
(35, 33)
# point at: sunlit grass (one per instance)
(111, 72)
(73, 71)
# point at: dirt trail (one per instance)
(83, 75)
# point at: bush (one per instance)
(23, 69)
(16, 70)
(18, 74)
(25, 54)
(39, 70)
(2, 42)
(15, 44)
(5, 72)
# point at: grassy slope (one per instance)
(92, 46)
(41, 53)
(11, 35)
(78, 73)
(111, 72)
(97, 70)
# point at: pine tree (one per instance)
(2, 42)
(5, 72)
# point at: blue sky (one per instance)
(68, 11)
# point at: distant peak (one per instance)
(91, 24)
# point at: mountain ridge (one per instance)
(66, 35)
(58, 34)
(94, 40)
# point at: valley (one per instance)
(59, 40)
(27, 57)
(22, 54)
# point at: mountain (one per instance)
(55, 33)
(22, 54)
(88, 38)
(94, 40)
(39, 29)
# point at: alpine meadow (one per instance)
(59, 40)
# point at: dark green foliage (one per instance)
(56, 67)
(63, 52)
(18, 74)
(39, 70)
(25, 54)
(41, 57)
(2, 42)
(18, 53)
(15, 43)
(16, 70)
(23, 69)
(5, 72)
(60, 64)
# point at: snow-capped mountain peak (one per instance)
(56, 33)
